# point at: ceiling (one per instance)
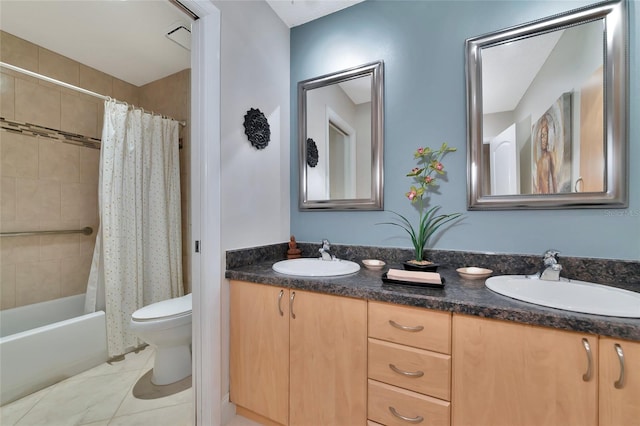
(298, 12)
(127, 39)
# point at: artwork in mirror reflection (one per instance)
(543, 122)
(339, 119)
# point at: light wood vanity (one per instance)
(307, 358)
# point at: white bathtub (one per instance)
(43, 343)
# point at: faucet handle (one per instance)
(551, 253)
(326, 244)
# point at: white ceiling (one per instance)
(298, 12)
(126, 39)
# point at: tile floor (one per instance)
(116, 394)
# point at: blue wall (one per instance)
(422, 45)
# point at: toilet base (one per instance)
(171, 364)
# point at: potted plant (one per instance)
(425, 179)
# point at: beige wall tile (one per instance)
(125, 92)
(79, 115)
(89, 165)
(18, 52)
(79, 202)
(168, 96)
(58, 67)
(7, 286)
(37, 104)
(74, 275)
(19, 249)
(37, 201)
(37, 282)
(7, 200)
(59, 246)
(7, 96)
(95, 81)
(18, 155)
(58, 161)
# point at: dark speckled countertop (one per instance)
(462, 296)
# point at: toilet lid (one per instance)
(167, 308)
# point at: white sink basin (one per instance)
(569, 295)
(312, 267)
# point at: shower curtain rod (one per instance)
(66, 85)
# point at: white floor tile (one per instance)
(177, 415)
(80, 400)
(11, 413)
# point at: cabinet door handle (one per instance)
(406, 327)
(619, 384)
(280, 303)
(416, 419)
(293, 296)
(414, 374)
(587, 347)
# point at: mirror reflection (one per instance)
(339, 121)
(340, 126)
(547, 105)
(543, 130)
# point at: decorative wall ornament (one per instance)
(312, 153)
(256, 127)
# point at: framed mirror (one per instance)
(341, 138)
(547, 112)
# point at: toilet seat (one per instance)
(164, 310)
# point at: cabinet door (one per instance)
(511, 374)
(619, 393)
(328, 360)
(259, 349)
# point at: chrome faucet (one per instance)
(325, 250)
(551, 270)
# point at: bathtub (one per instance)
(44, 343)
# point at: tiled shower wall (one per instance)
(50, 185)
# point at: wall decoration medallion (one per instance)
(312, 153)
(256, 127)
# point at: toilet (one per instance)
(166, 326)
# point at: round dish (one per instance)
(373, 264)
(474, 273)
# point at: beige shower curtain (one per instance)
(137, 258)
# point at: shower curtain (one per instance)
(137, 258)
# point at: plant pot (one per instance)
(411, 265)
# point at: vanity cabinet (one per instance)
(409, 359)
(512, 374)
(296, 357)
(619, 382)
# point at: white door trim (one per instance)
(206, 267)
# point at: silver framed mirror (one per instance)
(341, 139)
(547, 112)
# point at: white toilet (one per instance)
(166, 326)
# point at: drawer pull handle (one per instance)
(619, 384)
(587, 376)
(414, 374)
(416, 419)
(280, 303)
(406, 327)
(293, 296)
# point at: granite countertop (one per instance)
(459, 295)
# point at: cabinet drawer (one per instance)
(385, 400)
(421, 328)
(410, 368)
